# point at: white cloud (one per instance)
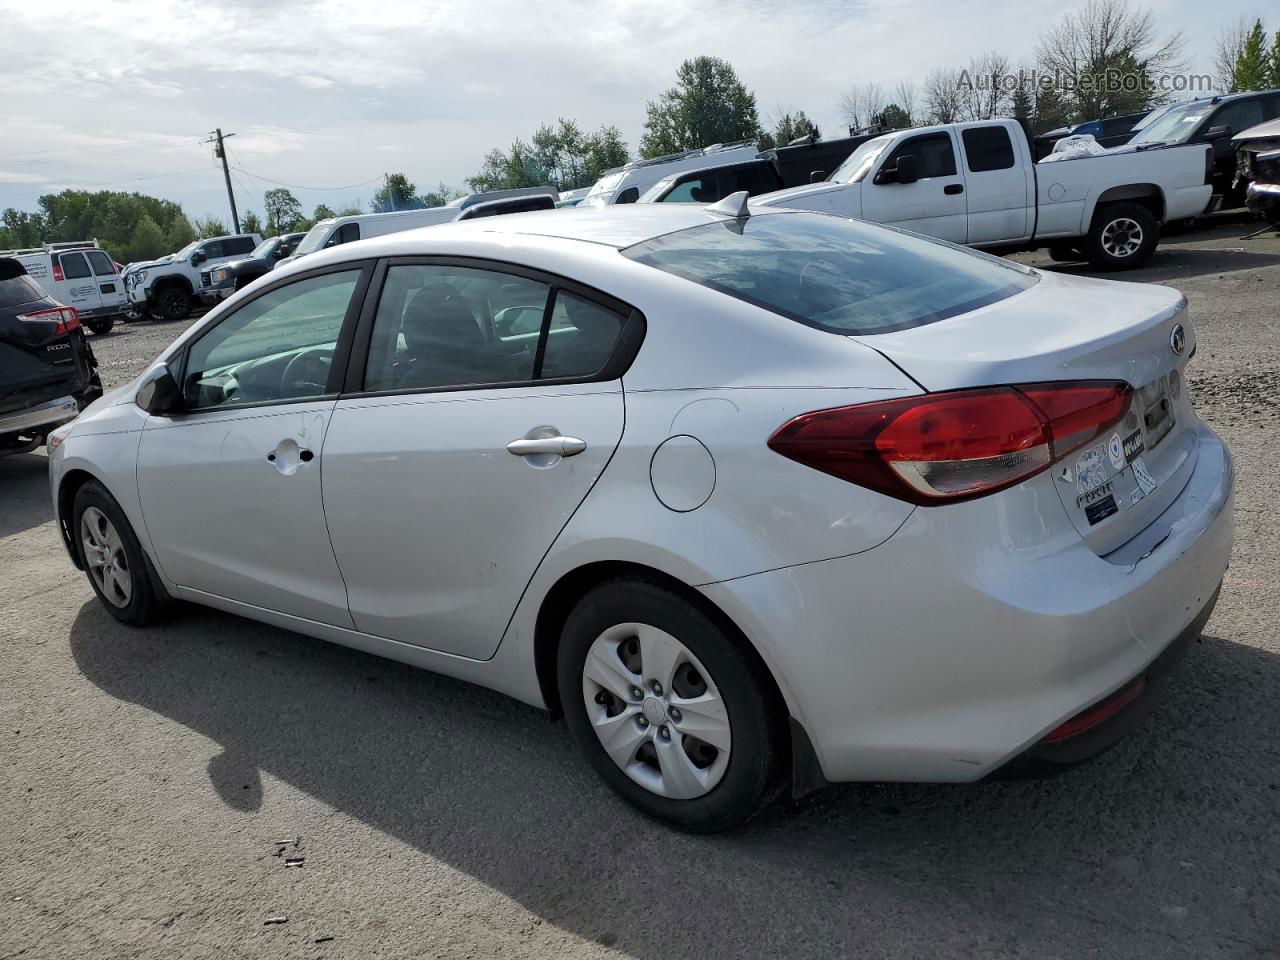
(333, 92)
(10, 176)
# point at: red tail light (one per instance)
(57, 269)
(66, 318)
(944, 447)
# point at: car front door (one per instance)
(74, 283)
(110, 289)
(997, 187)
(488, 403)
(935, 204)
(230, 486)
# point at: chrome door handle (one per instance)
(554, 446)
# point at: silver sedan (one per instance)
(756, 500)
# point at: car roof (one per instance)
(616, 225)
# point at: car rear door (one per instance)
(110, 288)
(466, 444)
(997, 185)
(75, 284)
(935, 204)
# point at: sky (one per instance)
(331, 94)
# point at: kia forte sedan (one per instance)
(757, 500)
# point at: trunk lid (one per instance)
(36, 362)
(1075, 328)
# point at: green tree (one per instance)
(1274, 81)
(147, 242)
(396, 194)
(1107, 56)
(894, 117)
(322, 212)
(20, 229)
(605, 149)
(442, 194)
(788, 126)
(350, 210)
(179, 233)
(1022, 104)
(561, 156)
(250, 223)
(518, 167)
(1253, 67)
(283, 210)
(209, 226)
(708, 104)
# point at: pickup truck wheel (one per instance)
(101, 326)
(171, 303)
(1123, 236)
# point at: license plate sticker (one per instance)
(1146, 482)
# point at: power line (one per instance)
(96, 154)
(298, 186)
(52, 151)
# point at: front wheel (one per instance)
(113, 558)
(668, 708)
(171, 303)
(1123, 236)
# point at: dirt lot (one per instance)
(147, 776)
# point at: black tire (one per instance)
(101, 326)
(757, 721)
(1064, 253)
(171, 303)
(145, 605)
(1114, 226)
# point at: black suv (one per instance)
(226, 278)
(48, 373)
(1213, 120)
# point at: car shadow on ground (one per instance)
(24, 493)
(1098, 857)
(1174, 261)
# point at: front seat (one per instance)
(445, 345)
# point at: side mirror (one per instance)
(159, 394)
(198, 257)
(1218, 133)
(907, 171)
(817, 176)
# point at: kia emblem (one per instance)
(1178, 339)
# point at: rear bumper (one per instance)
(42, 417)
(979, 628)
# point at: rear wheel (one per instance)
(171, 303)
(1123, 236)
(101, 325)
(113, 558)
(668, 708)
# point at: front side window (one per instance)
(237, 245)
(859, 163)
(988, 148)
(443, 326)
(102, 265)
(933, 152)
(278, 346)
(74, 266)
(213, 250)
(1238, 116)
(347, 233)
(844, 276)
(697, 189)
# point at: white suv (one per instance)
(167, 288)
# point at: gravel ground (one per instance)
(147, 776)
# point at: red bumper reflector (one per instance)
(1099, 712)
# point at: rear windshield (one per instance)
(840, 275)
(15, 286)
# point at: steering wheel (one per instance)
(308, 370)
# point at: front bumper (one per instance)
(978, 628)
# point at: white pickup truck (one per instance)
(977, 184)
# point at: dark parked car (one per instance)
(226, 278)
(48, 373)
(1214, 120)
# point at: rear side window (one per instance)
(988, 148)
(74, 266)
(237, 245)
(15, 286)
(754, 179)
(102, 265)
(699, 188)
(581, 337)
(933, 152)
(844, 276)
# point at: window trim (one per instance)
(341, 352)
(624, 351)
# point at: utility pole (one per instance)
(391, 197)
(220, 152)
